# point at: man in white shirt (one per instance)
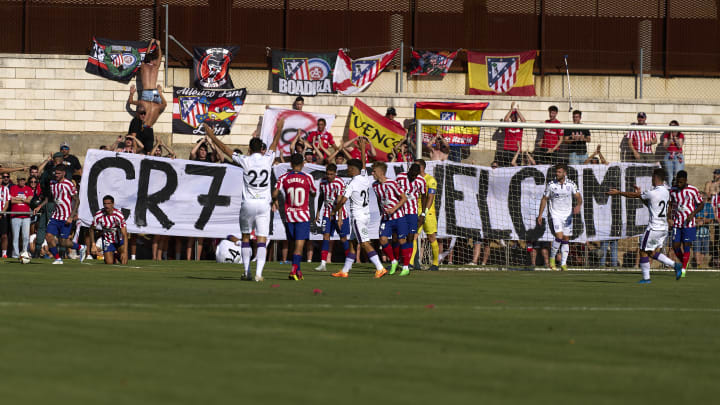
(656, 199)
(560, 193)
(255, 211)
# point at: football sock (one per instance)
(435, 252)
(54, 251)
(4, 252)
(678, 253)
(75, 246)
(349, 260)
(246, 252)
(261, 255)
(686, 256)
(555, 246)
(406, 253)
(396, 250)
(297, 259)
(346, 246)
(374, 259)
(132, 257)
(325, 250)
(645, 267)
(414, 250)
(564, 251)
(663, 259)
(388, 252)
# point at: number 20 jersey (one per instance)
(257, 169)
(357, 191)
(656, 199)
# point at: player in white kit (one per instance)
(560, 192)
(228, 251)
(255, 211)
(651, 243)
(358, 192)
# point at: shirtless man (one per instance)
(151, 99)
(440, 150)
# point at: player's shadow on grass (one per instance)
(222, 278)
(601, 281)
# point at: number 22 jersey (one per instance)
(358, 192)
(257, 169)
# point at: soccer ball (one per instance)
(25, 257)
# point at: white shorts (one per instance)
(255, 215)
(563, 225)
(359, 228)
(651, 240)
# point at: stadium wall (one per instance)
(47, 99)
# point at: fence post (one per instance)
(640, 79)
(402, 58)
(167, 41)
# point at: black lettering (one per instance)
(213, 198)
(632, 173)
(147, 202)
(453, 194)
(488, 231)
(597, 193)
(515, 204)
(97, 168)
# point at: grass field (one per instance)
(193, 333)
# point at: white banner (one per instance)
(294, 120)
(478, 202)
(162, 196)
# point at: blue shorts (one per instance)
(59, 228)
(298, 230)
(702, 244)
(685, 235)
(397, 226)
(411, 220)
(151, 95)
(112, 247)
(331, 227)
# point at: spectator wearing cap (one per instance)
(72, 161)
(551, 141)
(4, 207)
(390, 113)
(20, 196)
(674, 160)
(640, 141)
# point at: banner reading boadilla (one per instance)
(302, 73)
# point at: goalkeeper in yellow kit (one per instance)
(427, 220)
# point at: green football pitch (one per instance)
(178, 332)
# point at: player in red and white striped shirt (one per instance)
(114, 231)
(414, 187)
(641, 141)
(685, 203)
(391, 200)
(298, 187)
(66, 203)
(331, 188)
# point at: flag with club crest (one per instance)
(116, 60)
(193, 107)
(427, 63)
(501, 73)
(352, 76)
(302, 73)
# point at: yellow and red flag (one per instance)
(383, 133)
(501, 73)
(454, 135)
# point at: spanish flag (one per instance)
(454, 135)
(501, 73)
(382, 132)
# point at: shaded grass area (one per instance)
(180, 332)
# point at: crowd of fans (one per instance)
(29, 189)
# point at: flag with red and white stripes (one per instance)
(352, 76)
(684, 202)
(505, 79)
(190, 108)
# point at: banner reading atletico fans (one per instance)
(382, 132)
(217, 108)
(294, 121)
(211, 67)
(454, 135)
(501, 73)
(116, 60)
(302, 73)
(427, 63)
(352, 76)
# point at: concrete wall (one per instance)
(47, 99)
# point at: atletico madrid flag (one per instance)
(426, 63)
(352, 76)
(501, 73)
